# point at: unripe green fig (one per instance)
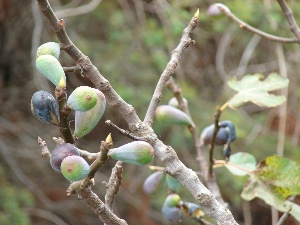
(152, 182)
(173, 102)
(170, 208)
(137, 153)
(82, 99)
(74, 168)
(44, 107)
(50, 67)
(60, 153)
(49, 48)
(172, 200)
(169, 115)
(85, 122)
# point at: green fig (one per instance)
(74, 168)
(50, 67)
(169, 115)
(44, 107)
(173, 102)
(172, 200)
(82, 99)
(49, 48)
(86, 121)
(137, 153)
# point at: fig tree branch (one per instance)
(170, 68)
(166, 154)
(290, 18)
(263, 34)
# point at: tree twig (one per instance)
(45, 150)
(170, 69)
(290, 18)
(71, 69)
(113, 185)
(246, 26)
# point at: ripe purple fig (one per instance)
(49, 48)
(170, 115)
(74, 168)
(137, 153)
(60, 153)
(85, 122)
(50, 67)
(152, 182)
(82, 99)
(44, 107)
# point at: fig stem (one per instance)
(124, 132)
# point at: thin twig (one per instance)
(71, 69)
(124, 132)
(45, 150)
(290, 18)
(113, 185)
(170, 69)
(246, 26)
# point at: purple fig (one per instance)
(74, 168)
(137, 153)
(86, 121)
(60, 153)
(173, 116)
(152, 182)
(44, 107)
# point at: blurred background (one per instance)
(130, 42)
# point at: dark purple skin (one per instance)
(60, 153)
(44, 107)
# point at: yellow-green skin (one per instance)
(170, 115)
(49, 48)
(85, 122)
(172, 200)
(50, 67)
(82, 99)
(136, 153)
(74, 168)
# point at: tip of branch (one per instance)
(108, 139)
(197, 14)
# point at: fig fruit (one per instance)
(170, 208)
(173, 102)
(44, 107)
(214, 9)
(74, 168)
(226, 133)
(152, 182)
(137, 153)
(192, 210)
(170, 115)
(49, 48)
(82, 99)
(85, 122)
(50, 67)
(60, 153)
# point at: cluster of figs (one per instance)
(173, 207)
(89, 106)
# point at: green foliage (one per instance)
(281, 175)
(173, 183)
(13, 201)
(241, 163)
(253, 88)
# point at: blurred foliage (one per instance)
(13, 201)
(130, 43)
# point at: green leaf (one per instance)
(173, 183)
(241, 163)
(281, 175)
(256, 188)
(254, 88)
